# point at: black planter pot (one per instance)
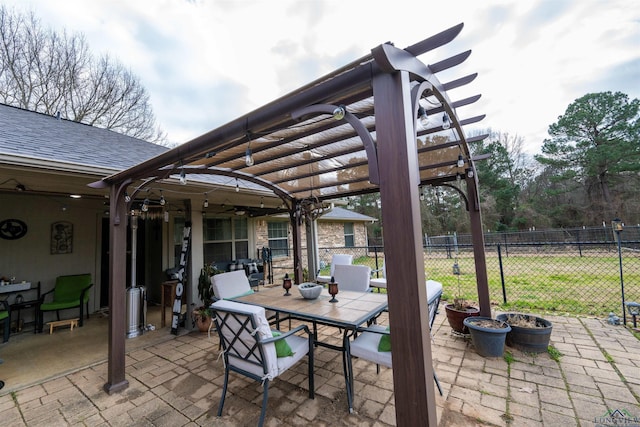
(488, 340)
(530, 340)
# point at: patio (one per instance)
(177, 381)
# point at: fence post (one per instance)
(579, 244)
(617, 228)
(504, 290)
(506, 247)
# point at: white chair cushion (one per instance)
(434, 289)
(230, 285)
(323, 279)
(264, 331)
(299, 347)
(336, 259)
(378, 282)
(365, 346)
(353, 277)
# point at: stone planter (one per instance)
(456, 317)
(527, 339)
(488, 335)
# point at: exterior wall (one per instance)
(330, 235)
(29, 258)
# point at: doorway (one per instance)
(148, 259)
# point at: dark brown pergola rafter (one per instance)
(351, 132)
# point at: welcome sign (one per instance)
(184, 254)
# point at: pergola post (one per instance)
(297, 246)
(477, 238)
(116, 380)
(408, 310)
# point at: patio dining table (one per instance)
(352, 310)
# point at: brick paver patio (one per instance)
(178, 383)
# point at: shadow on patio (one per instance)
(177, 381)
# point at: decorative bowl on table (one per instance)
(310, 290)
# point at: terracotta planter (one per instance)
(530, 340)
(488, 335)
(202, 322)
(456, 317)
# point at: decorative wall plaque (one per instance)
(61, 237)
(12, 229)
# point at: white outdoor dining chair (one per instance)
(352, 277)
(249, 347)
(230, 285)
(234, 284)
(336, 259)
(379, 282)
(366, 342)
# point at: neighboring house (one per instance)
(46, 163)
(342, 227)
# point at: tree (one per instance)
(502, 177)
(595, 145)
(46, 72)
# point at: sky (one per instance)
(207, 62)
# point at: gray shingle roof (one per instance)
(341, 214)
(40, 136)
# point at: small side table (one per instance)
(167, 297)
(17, 306)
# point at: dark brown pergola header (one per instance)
(320, 141)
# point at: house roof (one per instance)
(38, 136)
(40, 143)
(342, 214)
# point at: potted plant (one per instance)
(460, 309)
(201, 316)
(530, 334)
(488, 335)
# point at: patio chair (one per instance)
(230, 285)
(235, 284)
(336, 259)
(352, 277)
(250, 349)
(367, 342)
(5, 317)
(69, 292)
(379, 282)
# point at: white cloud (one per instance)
(205, 62)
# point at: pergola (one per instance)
(357, 130)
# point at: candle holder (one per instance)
(286, 284)
(333, 290)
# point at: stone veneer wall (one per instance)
(330, 235)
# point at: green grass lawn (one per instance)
(549, 282)
(546, 283)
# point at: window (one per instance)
(278, 238)
(225, 239)
(349, 238)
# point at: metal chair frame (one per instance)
(251, 351)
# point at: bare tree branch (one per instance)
(48, 72)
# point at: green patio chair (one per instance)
(69, 292)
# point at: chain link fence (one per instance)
(579, 271)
